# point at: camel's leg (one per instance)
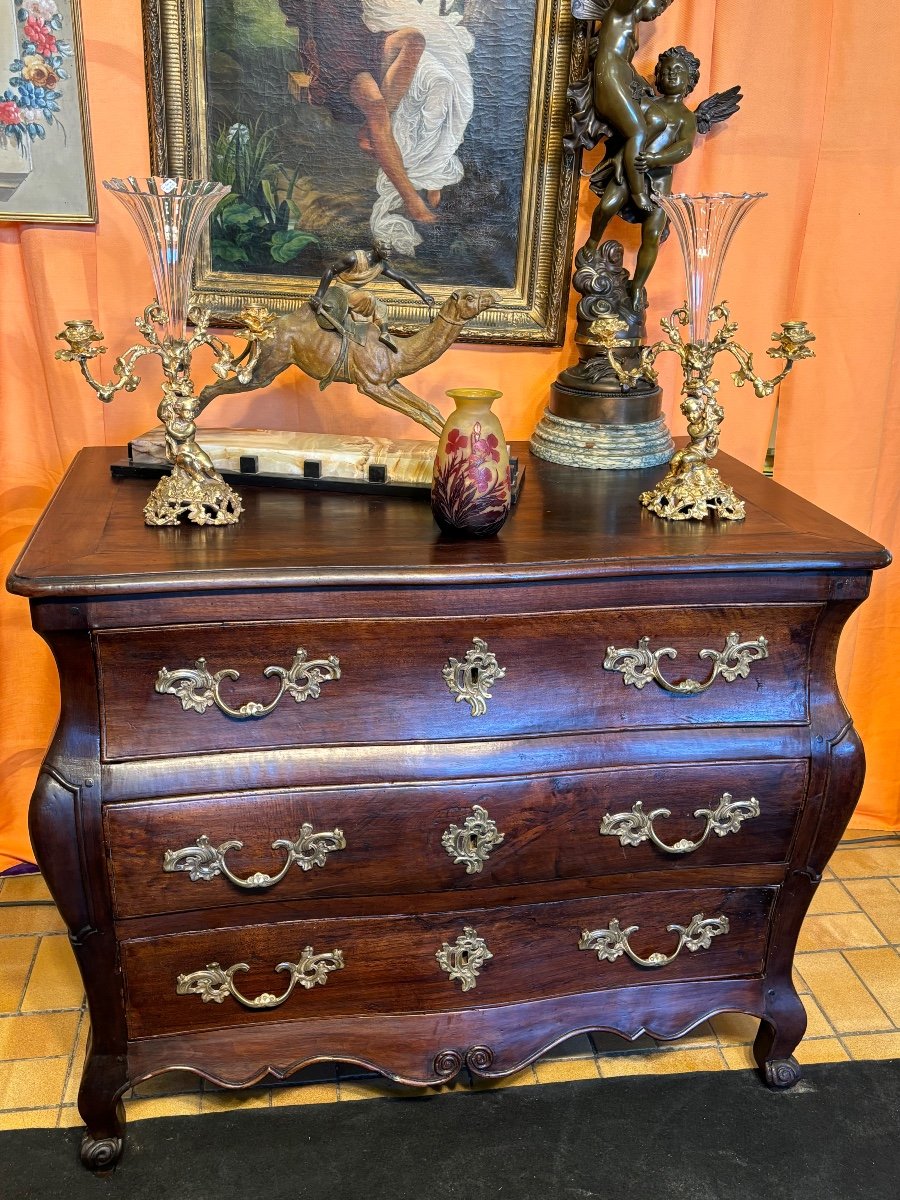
(269, 366)
(426, 414)
(401, 399)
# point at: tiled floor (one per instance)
(848, 972)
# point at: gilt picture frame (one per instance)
(469, 184)
(46, 158)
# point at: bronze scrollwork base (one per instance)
(203, 501)
(691, 491)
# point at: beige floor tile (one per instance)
(16, 957)
(311, 1093)
(25, 1084)
(520, 1079)
(664, 1062)
(840, 994)
(810, 1050)
(35, 1118)
(832, 898)
(162, 1106)
(70, 1096)
(854, 834)
(880, 972)
(367, 1089)
(838, 931)
(738, 1058)
(820, 1050)
(866, 861)
(881, 900)
(799, 982)
(170, 1083)
(229, 1101)
(702, 1035)
(735, 1029)
(69, 1117)
(23, 888)
(874, 1045)
(30, 918)
(46, 1035)
(817, 1024)
(561, 1070)
(54, 982)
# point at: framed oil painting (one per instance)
(433, 127)
(46, 163)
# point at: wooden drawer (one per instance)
(390, 963)
(392, 689)
(395, 837)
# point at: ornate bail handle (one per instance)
(632, 828)
(612, 943)
(197, 689)
(217, 984)
(204, 861)
(471, 679)
(640, 666)
(472, 842)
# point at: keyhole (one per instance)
(474, 675)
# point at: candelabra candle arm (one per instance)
(746, 373)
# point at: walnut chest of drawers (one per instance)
(329, 786)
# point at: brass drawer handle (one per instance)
(197, 688)
(464, 959)
(612, 943)
(632, 828)
(217, 984)
(472, 678)
(472, 842)
(204, 861)
(640, 666)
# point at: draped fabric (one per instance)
(813, 133)
(430, 121)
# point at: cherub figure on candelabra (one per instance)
(171, 214)
(692, 489)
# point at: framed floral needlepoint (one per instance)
(46, 165)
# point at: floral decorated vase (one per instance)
(470, 491)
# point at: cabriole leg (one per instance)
(780, 1033)
(101, 1108)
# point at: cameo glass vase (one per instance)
(470, 491)
(705, 225)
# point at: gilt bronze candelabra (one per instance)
(693, 489)
(171, 215)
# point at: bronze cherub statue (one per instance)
(609, 98)
(672, 131)
(592, 420)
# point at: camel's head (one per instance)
(466, 303)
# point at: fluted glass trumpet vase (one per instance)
(692, 489)
(705, 225)
(171, 215)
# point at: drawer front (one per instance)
(181, 855)
(439, 962)
(425, 680)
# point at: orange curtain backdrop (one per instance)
(812, 133)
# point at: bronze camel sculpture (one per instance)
(376, 369)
